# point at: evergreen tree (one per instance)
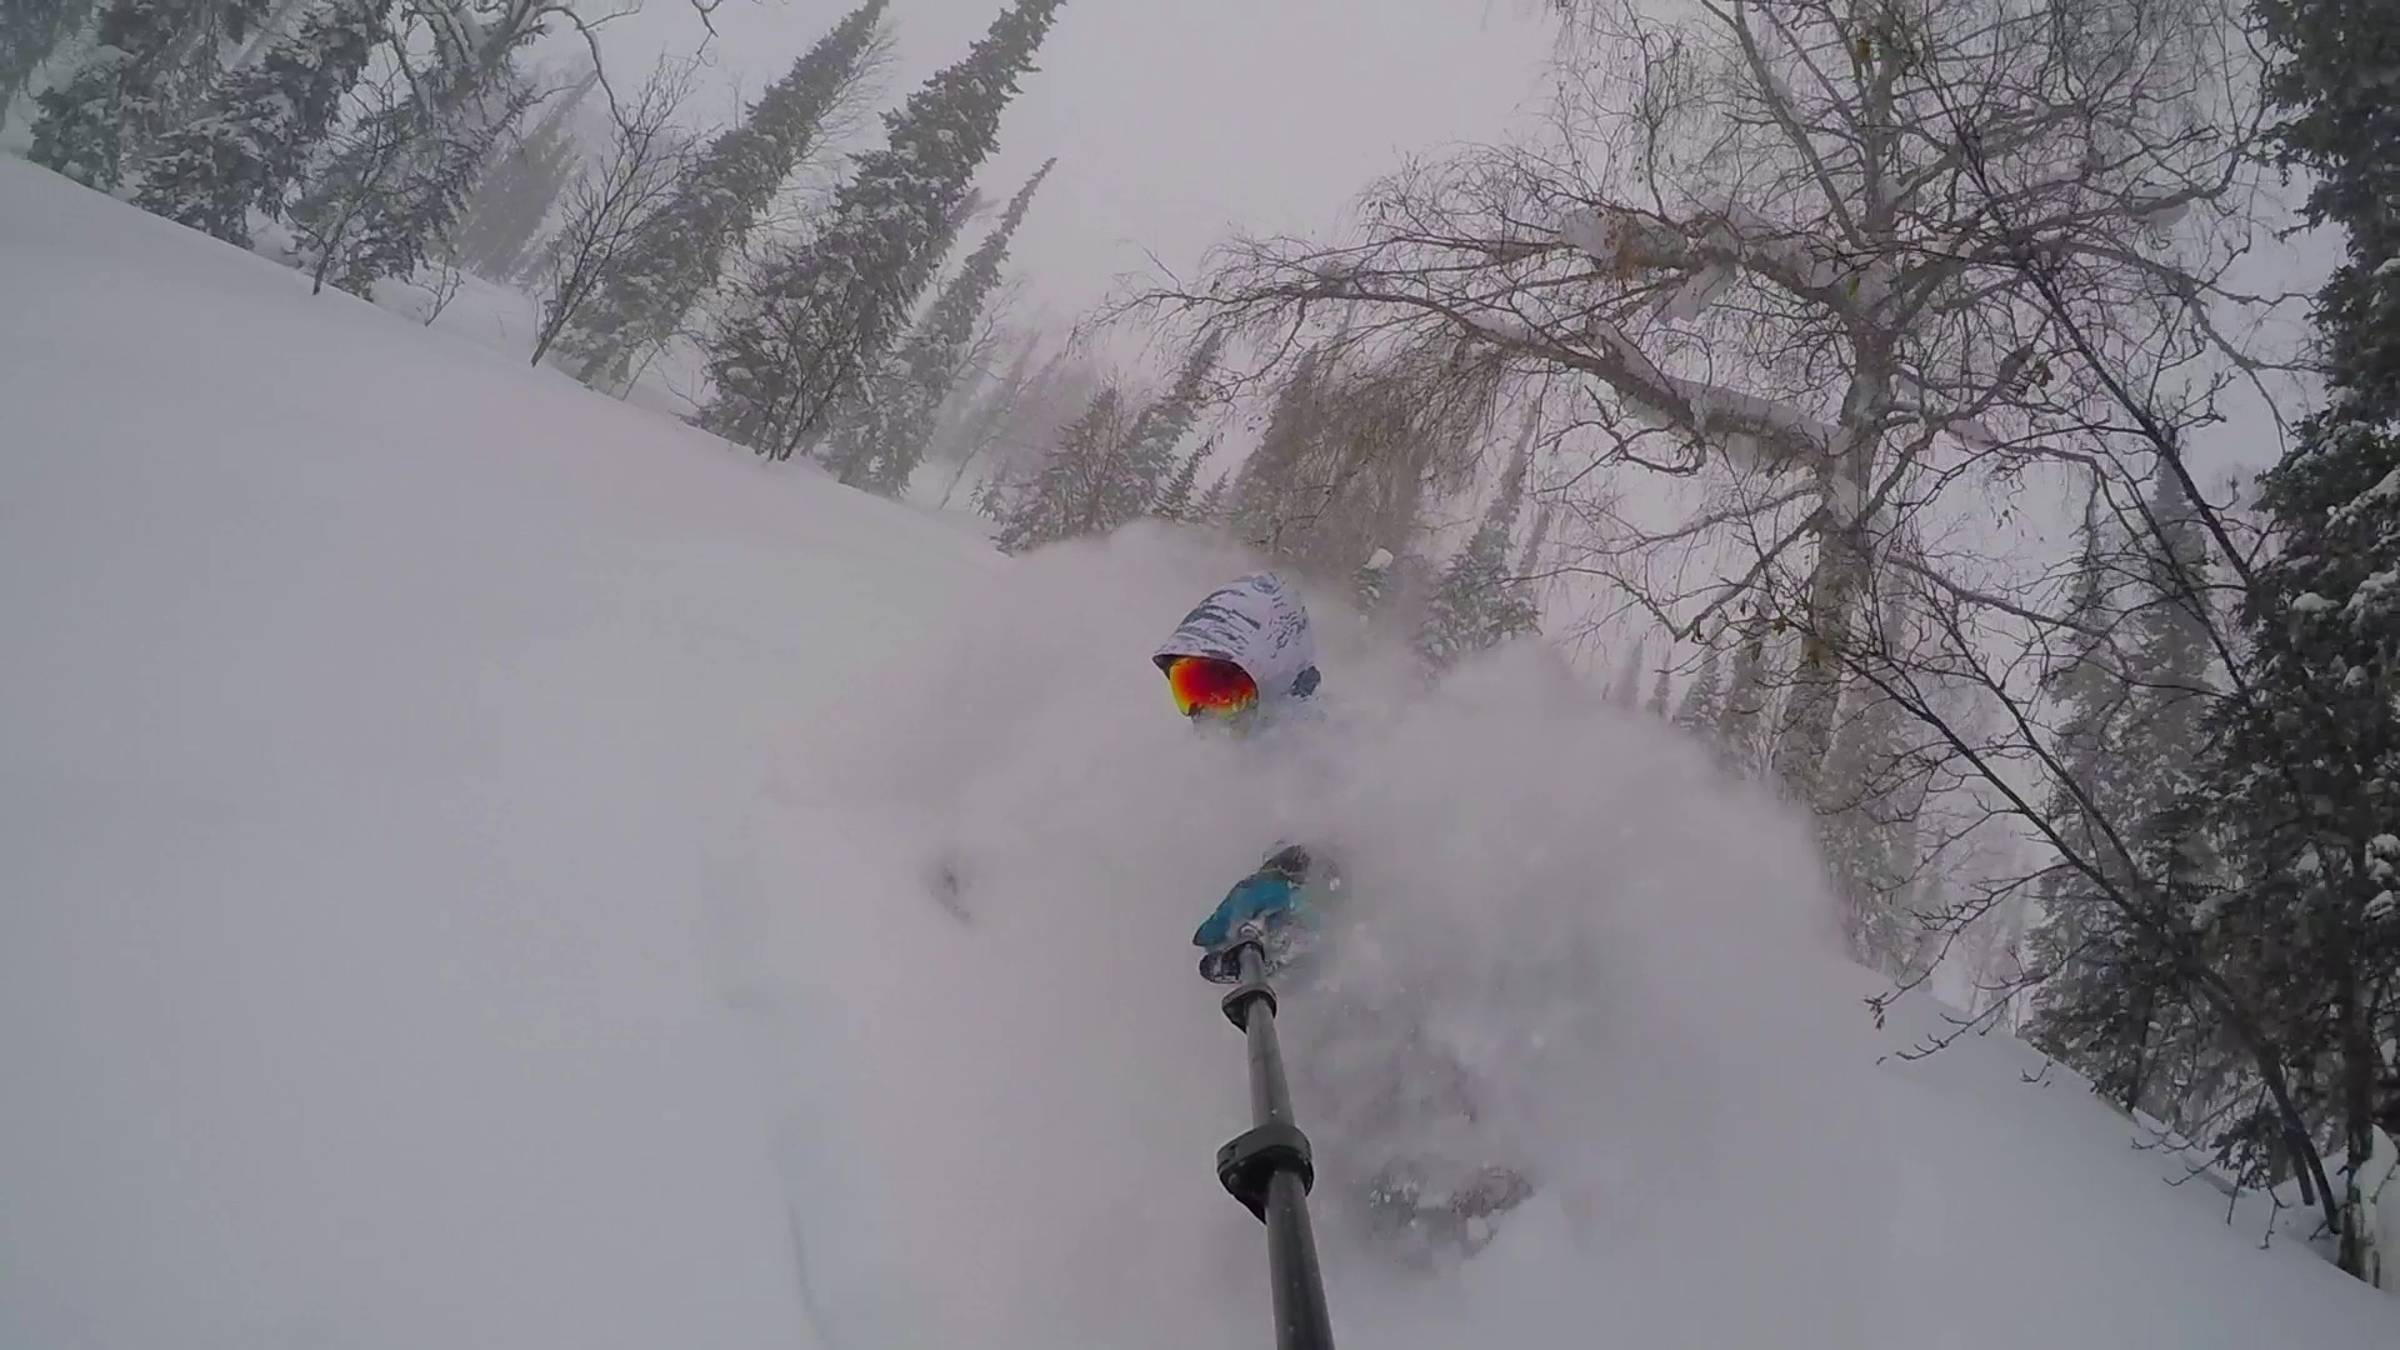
(1215, 502)
(2084, 1012)
(413, 204)
(732, 184)
(1697, 712)
(2334, 80)
(2132, 695)
(1163, 425)
(253, 140)
(1175, 502)
(1658, 694)
(827, 311)
(502, 228)
(30, 30)
(1086, 486)
(397, 190)
(1475, 605)
(120, 94)
(981, 426)
(2307, 768)
(882, 447)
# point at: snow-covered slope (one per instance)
(466, 849)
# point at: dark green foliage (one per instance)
(1085, 486)
(150, 60)
(1162, 427)
(1176, 501)
(2131, 694)
(1477, 603)
(733, 181)
(76, 132)
(826, 312)
(30, 31)
(881, 447)
(253, 140)
(2304, 784)
(396, 186)
(2337, 80)
(1697, 711)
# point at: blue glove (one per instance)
(1266, 898)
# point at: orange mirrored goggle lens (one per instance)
(1202, 685)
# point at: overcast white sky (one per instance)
(1176, 120)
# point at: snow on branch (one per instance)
(1751, 431)
(1721, 239)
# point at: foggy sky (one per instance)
(1173, 121)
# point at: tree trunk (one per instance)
(1837, 582)
(2358, 1115)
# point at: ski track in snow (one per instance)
(467, 846)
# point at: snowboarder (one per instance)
(1244, 661)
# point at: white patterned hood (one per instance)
(1259, 624)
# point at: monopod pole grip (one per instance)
(1269, 1167)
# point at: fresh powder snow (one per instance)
(475, 860)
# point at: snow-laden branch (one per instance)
(1725, 236)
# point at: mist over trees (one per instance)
(1834, 308)
(1840, 381)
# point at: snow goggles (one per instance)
(1203, 684)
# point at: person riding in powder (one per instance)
(1245, 660)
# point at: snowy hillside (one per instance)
(467, 849)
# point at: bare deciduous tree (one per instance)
(1753, 240)
(614, 204)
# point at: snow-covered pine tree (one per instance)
(413, 162)
(2082, 1012)
(252, 140)
(825, 312)
(982, 423)
(2307, 766)
(1215, 502)
(1175, 501)
(1697, 711)
(618, 202)
(2180, 1075)
(116, 99)
(421, 194)
(729, 189)
(1475, 605)
(838, 430)
(881, 447)
(1084, 487)
(30, 30)
(1160, 430)
(1866, 830)
(1658, 694)
(2131, 696)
